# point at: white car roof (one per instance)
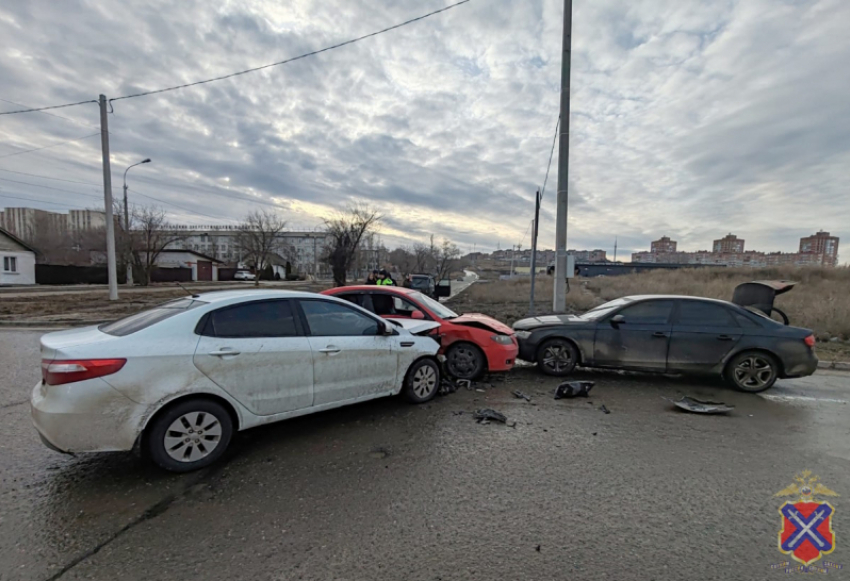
(235, 295)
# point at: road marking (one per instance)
(801, 398)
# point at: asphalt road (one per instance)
(386, 490)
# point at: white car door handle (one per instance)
(224, 353)
(330, 349)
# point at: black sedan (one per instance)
(671, 334)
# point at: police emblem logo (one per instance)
(806, 534)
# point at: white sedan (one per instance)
(243, 275)
(177, 380)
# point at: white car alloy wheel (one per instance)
(192, 436)
(424, 381)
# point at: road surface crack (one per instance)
(151, 513)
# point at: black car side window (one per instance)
(648, 313)
(699, 313)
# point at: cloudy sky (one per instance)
(689, 118)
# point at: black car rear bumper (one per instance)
(800, 367)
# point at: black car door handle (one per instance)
(724, 338)
(660, 334)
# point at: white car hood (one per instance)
(415, 326)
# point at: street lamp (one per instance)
(127, 217)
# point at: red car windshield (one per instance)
(435, 307)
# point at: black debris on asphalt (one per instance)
(697, 406)
(573, 389)
(520, 395)
(484, 415)
(604, 410)
(446, 387)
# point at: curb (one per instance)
(836, 365)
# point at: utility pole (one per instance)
(534, 225)
(107, 200)
(559, 299)
(615, 249)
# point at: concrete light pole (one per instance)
(127, 218)
(559, 298)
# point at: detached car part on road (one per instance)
(179, 379)
(472, 343)
(671, 334)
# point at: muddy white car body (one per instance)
(103, 386)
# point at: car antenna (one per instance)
(194, 296)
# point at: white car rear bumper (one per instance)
(85, 416)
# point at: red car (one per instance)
(472, 343)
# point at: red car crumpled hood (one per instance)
(479, 320)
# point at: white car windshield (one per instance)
(602, 310)
(436, 307)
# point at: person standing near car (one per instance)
(384, 278)
(372, 278)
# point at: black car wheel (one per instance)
(422, 381)
(465, 361)
(752, 371)
(189, 435)
(557, 357)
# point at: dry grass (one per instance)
(821, 300)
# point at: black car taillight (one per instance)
(810, 341)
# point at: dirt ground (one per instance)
(61, 307)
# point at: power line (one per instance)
(551, 153)
(2, 195)
(49, 146)
(251, 70)
(135, 191)
(52, 114)
(33, 175)
(50, 188)
(289, 60)
(39, 109)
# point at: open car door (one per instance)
(444, 288)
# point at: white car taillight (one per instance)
(58, 372)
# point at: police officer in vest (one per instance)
(384, 278)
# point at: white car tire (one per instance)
(422, 381)
(189, 435)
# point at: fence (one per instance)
(62, 274)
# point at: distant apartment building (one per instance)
(303, 249)
(663, 246)
(26, 223)
(82, 220)
(820, 249)
(729, 244)
(596, 255)
(823, 245)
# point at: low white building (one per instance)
(203, 267)
(17, 260)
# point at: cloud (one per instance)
(689, 118)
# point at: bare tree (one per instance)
(258, 238)
(423, 258)
(403, 258)
(345, 231)
(149, 236)
(445, 259)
